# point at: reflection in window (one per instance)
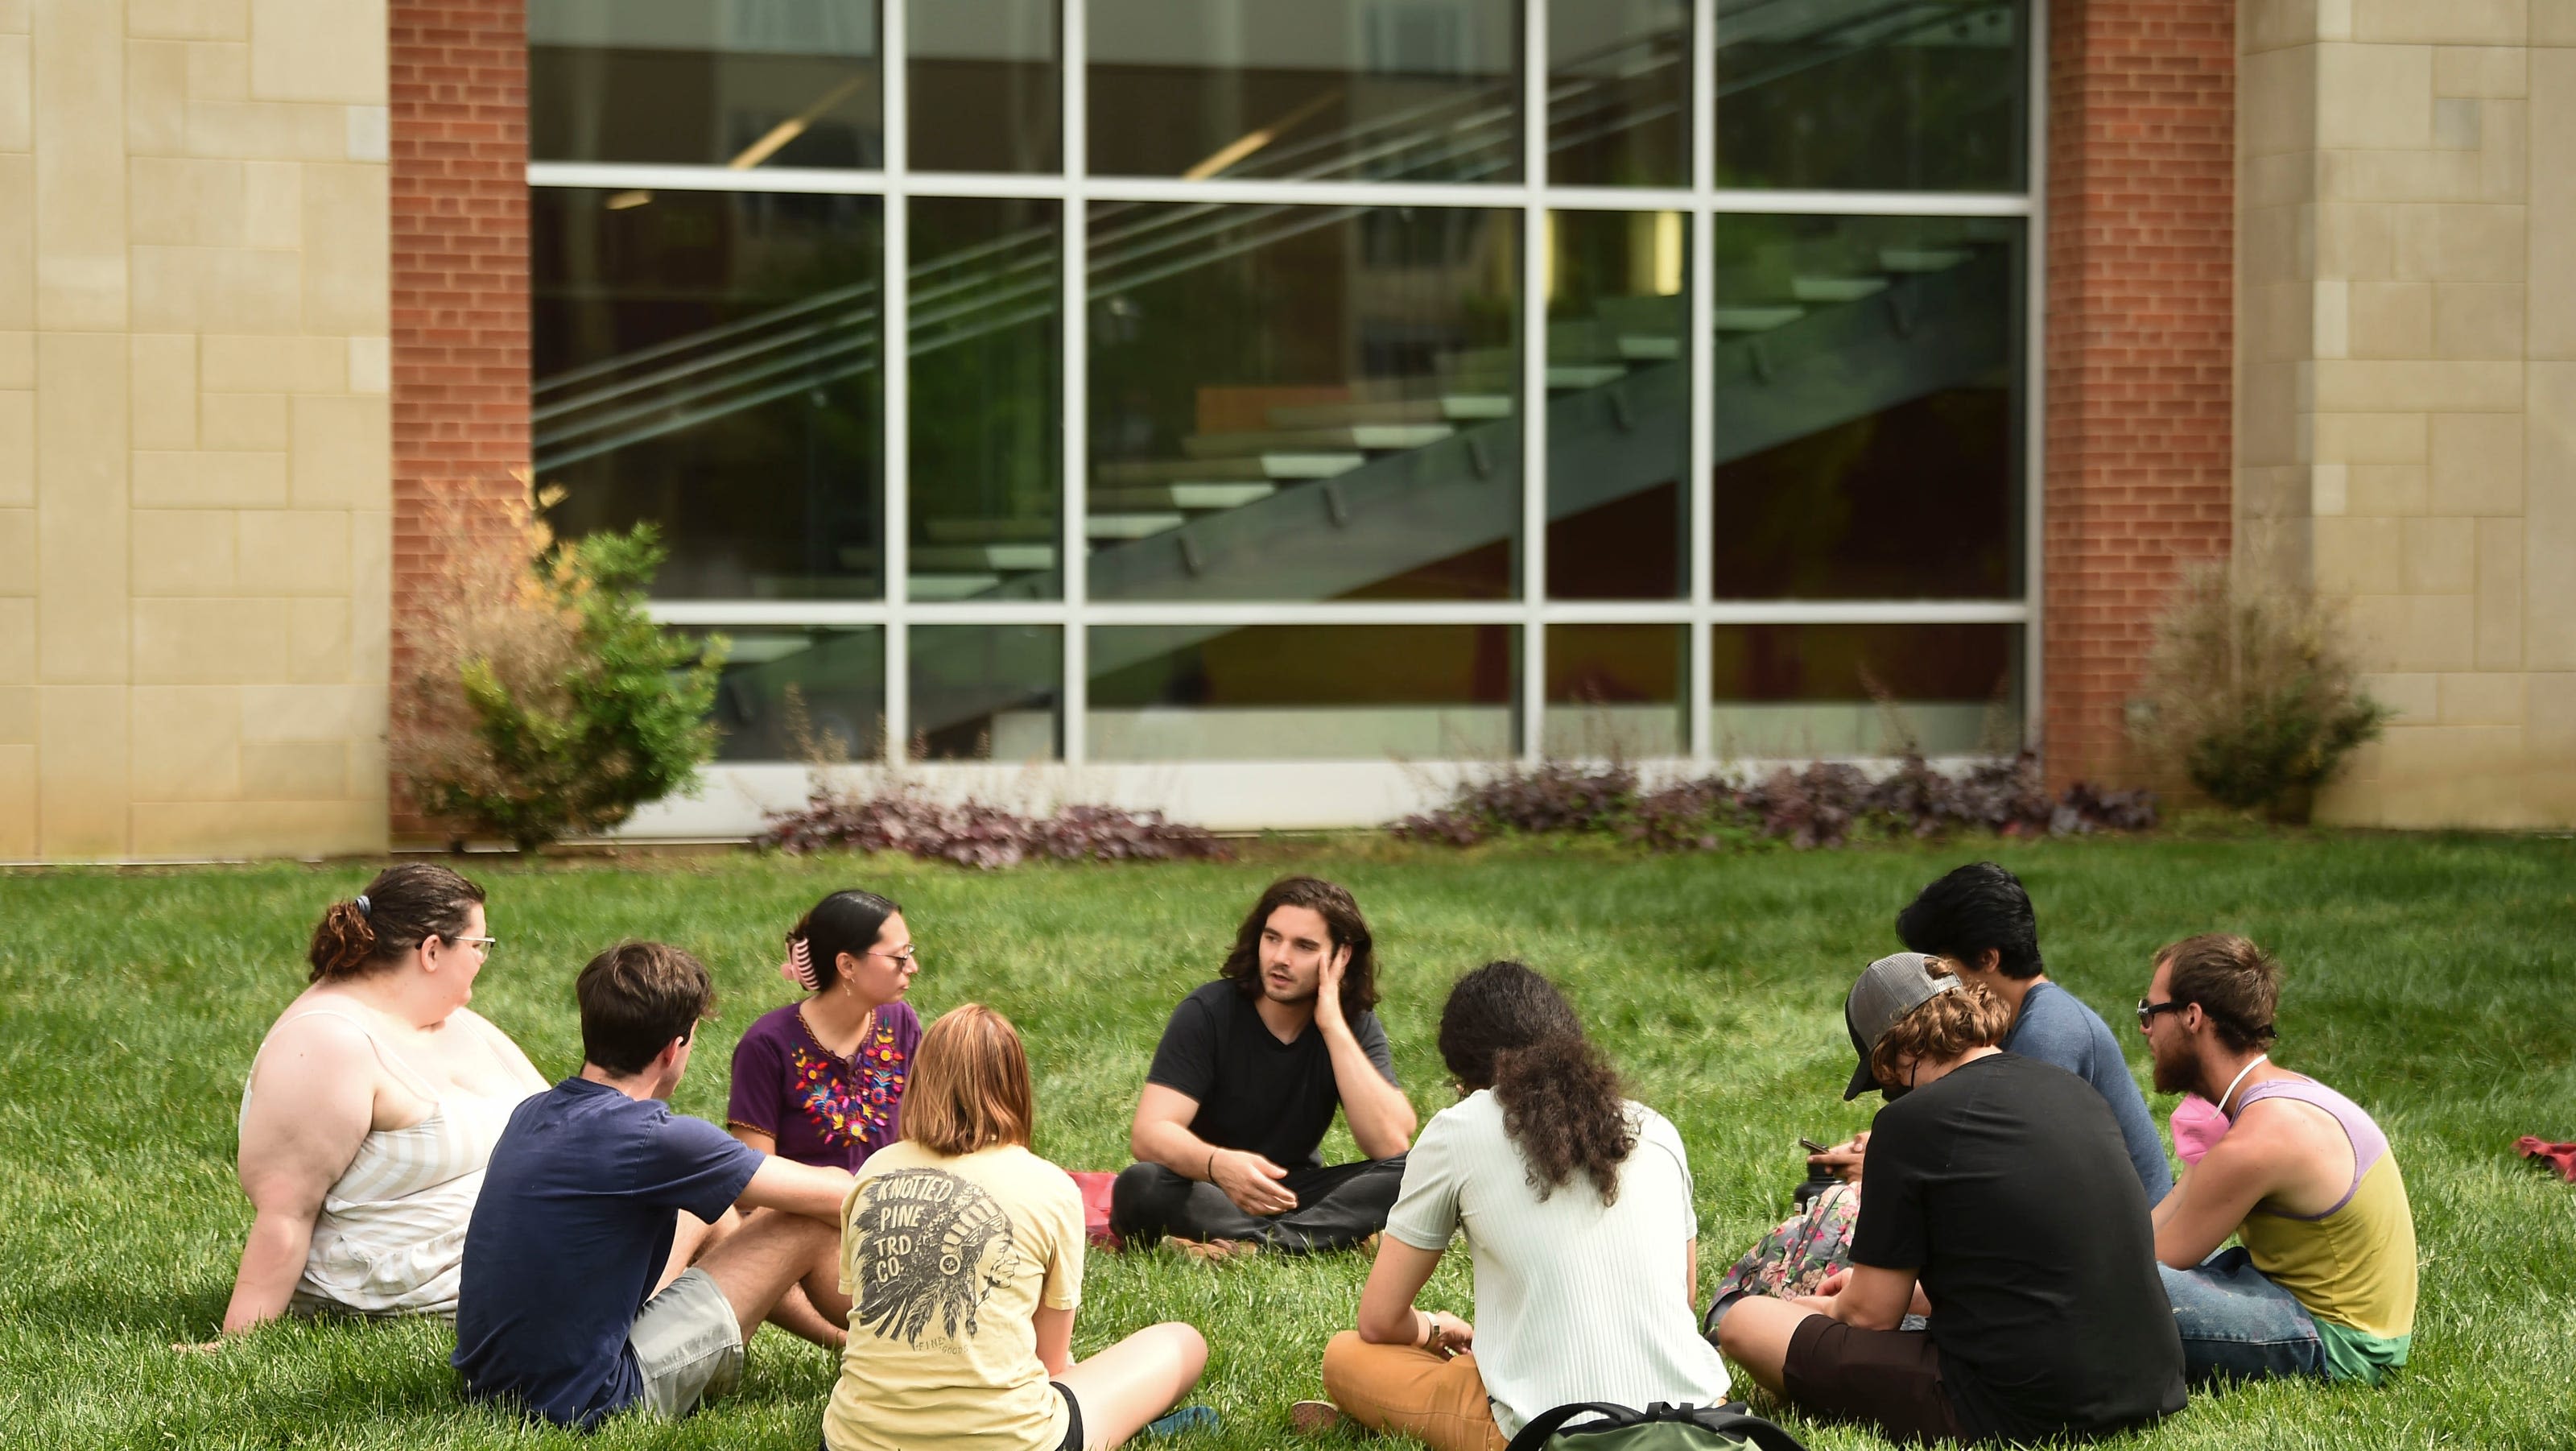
(740, 83)
(985, 92)
(1918, 95)
(1303, 403)
(1867, 690)
(708, 361)
(1618, 413)
(1615, 691)
(986, 434)
(1301, 692)
(985, 692)
(1865, 389)
(813, 695)
(1421, 90)
(1618, 110)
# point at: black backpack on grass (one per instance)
(1659, 1427)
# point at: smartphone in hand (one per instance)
(1811, 1146)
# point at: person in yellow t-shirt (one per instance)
(961, 1252)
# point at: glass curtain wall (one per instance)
(1347, 380)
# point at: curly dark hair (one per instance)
(1342, 920)
(1509, 1029)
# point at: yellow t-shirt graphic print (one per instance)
(938, 1246)
(946, 1262)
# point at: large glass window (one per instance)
(1918, 95)
(739, 83)
(986, 93)
(1416, 90)
(1303, 403)
(1319, 408)
(1301, 693)
(708, 362)
(986, 440)
(1866, 431)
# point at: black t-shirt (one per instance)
(1255, 1092)
(2006, 1186)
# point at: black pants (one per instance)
(1337, 1206)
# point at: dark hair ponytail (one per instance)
(403, 907)
(846, 921)
(1508, 1029)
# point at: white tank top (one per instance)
(390, 1239)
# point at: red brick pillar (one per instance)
(2141, 301)
(459, 93)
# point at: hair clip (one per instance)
(364, 908)
(799, 966)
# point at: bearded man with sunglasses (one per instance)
(2323, 1282)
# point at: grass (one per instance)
(2434, 979)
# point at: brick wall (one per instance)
(458, 74)
(2141, 236)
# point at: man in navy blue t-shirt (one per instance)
(572, 1302)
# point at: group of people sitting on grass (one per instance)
(2005, 1255)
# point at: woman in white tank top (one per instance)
(372, 1108)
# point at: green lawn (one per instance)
(2433, 979)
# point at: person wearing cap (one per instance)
(2002, 1206)
(2323, 1281)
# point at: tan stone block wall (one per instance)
(2407, 380)
(194, 428)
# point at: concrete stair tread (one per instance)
(973, 558)
(1649, 348)
(1374, 438)
(1754, 319)
(1189, 495)
(933, 585)
(1250, 468)
(1442, 408)
(1836, 289)
(1129, 526)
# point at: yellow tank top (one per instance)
(2353, 1265)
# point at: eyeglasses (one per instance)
(489, 945)
(2147, 1012)
(907, 958)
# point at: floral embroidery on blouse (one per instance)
(843, 1112)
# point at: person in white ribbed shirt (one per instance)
(1576, 1202)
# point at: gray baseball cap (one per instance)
(1887, 991)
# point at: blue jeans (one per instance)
(2238, 1325)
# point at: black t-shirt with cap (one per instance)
(2006, 1187)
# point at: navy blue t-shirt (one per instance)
(575, 1221)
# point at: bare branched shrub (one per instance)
(2252, 694)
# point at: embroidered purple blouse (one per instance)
(818, 1107)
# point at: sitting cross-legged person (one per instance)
(2323, 1280)
(1576, 1202)
(1245, 1082)
(574, 1304)
(2001, 1205)
(1979, 921)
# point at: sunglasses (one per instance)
(2147, 1012)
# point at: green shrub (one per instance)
(547, 701)
(2252, 695)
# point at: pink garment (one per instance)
(2197, 1127)
(2561, 1157)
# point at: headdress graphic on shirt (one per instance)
(934, 1247)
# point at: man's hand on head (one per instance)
(1328, 988)
(1251, 1181)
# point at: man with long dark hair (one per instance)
(1245, 1082)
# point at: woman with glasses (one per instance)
(372, 1107)
(820, 1080)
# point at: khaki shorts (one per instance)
(687, 1344)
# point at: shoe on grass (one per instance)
(1313, 1418)
(1187, 1418)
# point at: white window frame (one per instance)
(1197, 789)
